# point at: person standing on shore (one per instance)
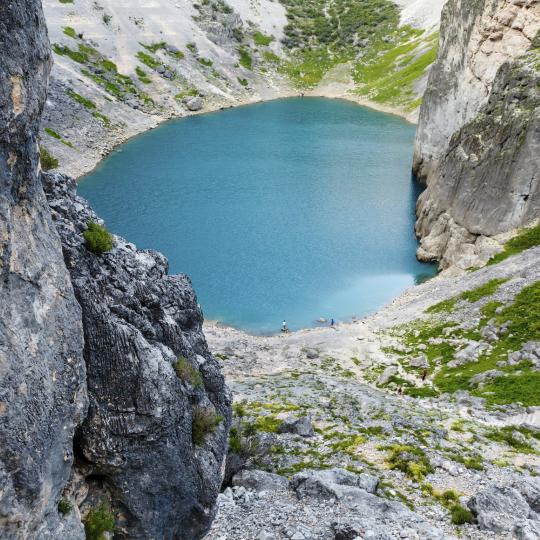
(284, 326)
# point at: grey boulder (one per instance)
(330, 483)
(258, 481)
(193, 104)
(299, 426)
(506, 509)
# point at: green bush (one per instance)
(410, 460)
(187, 372)
(461, 515)
(64, 507)
(48, 161)
(204, 422)
(98, 521)
(97, 238)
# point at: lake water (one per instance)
(293, 209)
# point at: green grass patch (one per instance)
(204, 422)
(154, 47)
(148, 60)
(70, 32)
(523, 324)
(389, 71)
(260, 39)
(86, 103)
(58, 137)
(421, 392)
(192, 91)
(205, 61)
(487, 289)
(270, 57)
(446, 306)
(507, 435)
(268, 423)
(142, 75)
(246, 60)
(188, 373)
(48, 161)
(526, 239)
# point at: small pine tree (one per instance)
(97, 238)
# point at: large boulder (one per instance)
(155, 439)
(298, 426)
(260, 481)
(508, 509)
(329, 483)
(42, 391)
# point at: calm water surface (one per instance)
(294, 209)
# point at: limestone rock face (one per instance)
(42, 392)
(477, 38)
(137, 438)
(477, 139)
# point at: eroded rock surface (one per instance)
(477, 139)
(137, 437)
(42, 395)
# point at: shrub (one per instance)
(97, 238)
(245, 58)
(48, 161)
(98, 521)
(410, 460)
(239, 409)
(64, 507)
(461, 515)
(187, 372)
(204, 422)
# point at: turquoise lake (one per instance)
(292, 209)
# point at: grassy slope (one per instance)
(453, 324)
(387, 60)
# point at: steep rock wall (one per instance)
(91, 407)
(137, 438)
(488, 181)
(477, 37)
(42, 395)
(475, 186)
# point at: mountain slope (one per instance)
(123, 67)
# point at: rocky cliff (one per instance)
(42, 395)
(136, 444)
(113, 413)
(483, 86)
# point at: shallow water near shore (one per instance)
(292, 209)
